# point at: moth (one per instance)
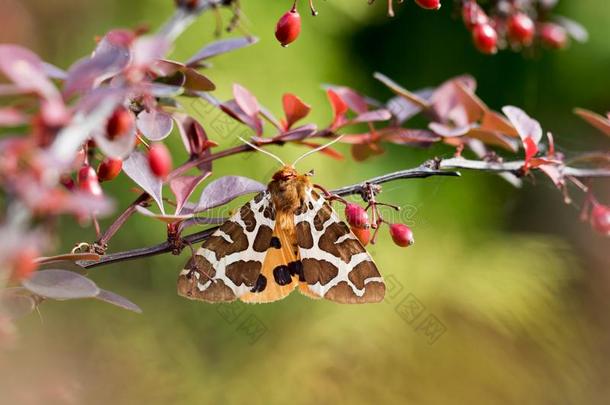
(286, 238)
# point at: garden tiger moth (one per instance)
(287, 237)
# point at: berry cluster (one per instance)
(288, 27)
(358, 220)
(517, 25)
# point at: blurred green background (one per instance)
(503, 299)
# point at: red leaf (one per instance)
(494, 138)
(355, 139)
(339, 107)
(530, 148)
(354, 101)
(475, 108)
(492, 121)
(245, 100)
(294, 109)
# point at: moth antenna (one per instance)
(262, 150)
(319, 148)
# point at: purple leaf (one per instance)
(85, 204)
(372, 116)
(403, 109)
(92, 112)
(54, 72)
(119, 301)
(400, 135)
(183, 187)
(111, 56)
(136, 167)
(148, 49)
(234, 110)
(354, 101)
(225, 189)
(164, 90)
(526, 127)
(245, 100)
(195, 81)
(155, 124)
(167, 218)
(575, 29)
(201, 221)
(61, 285)
(192, 133)
(120, 147)
(25, 69)
(449, 132)
(299, 133)
(220, 47)
(448, 96)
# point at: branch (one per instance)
(514, 167)
(434, 167)
(423, 171)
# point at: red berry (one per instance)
(402, 235)
(24, 263)
(363, 234)
(485, 38)
(160, 160)
(521, 29)
(67, 182)
(356, 216)
(109, 168)
(429, 4)
(119, 123)
(600, 219)
(473, 14)
(88, 182)
(553, 35)
(288, 27)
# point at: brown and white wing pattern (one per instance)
(335, 264)
(229, 262)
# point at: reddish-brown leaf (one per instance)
(294, 109)
(598, 121)
(339, 107)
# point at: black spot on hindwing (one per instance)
(282, 276)
(261, 283)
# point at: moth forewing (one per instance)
(228, 263)
(335, 264)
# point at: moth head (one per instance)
(285, 173)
